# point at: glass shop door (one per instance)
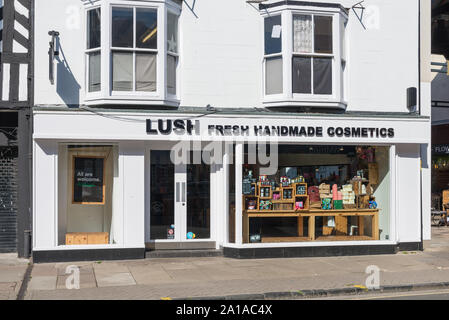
(179, 199)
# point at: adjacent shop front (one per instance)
(112, 185)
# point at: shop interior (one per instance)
(318, 193)
(87, 183)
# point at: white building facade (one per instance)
(286, 128)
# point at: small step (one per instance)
(183, 253)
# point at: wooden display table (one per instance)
(75, 238)
(341, 221)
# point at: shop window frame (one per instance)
(392, 207)
(68, 198)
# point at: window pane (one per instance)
(302, 75)
(198, 204)
(94, 71)
(302, 33)
(122, 27)
(326, 173)
(273, 39)
(122, 71)
(146, 71)
(172, 32)
(94, 28)
(322, 75)
(162, 216)
(146, 28)
(273, 75)
(172, 61)
(323, 34)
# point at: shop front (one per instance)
(114, 185)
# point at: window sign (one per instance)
(88, 180)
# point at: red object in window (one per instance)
(314, 194)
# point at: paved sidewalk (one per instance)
(218, 276)
(12, 271)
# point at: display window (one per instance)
(87, 181)
(318, 193)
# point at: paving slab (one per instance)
(143, 274)
(110, 267)
(12, 273)
(42, 283)
(114, 279)
(44, 270)
(86, 281)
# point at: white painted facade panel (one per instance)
(221, 54)
(408, 164)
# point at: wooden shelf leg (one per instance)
(375, 223)
(312, 228)
(300, 226)
(361, 225)
(245, 228)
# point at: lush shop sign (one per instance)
(193, 127)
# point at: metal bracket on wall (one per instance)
(444, 69)
(52, 53)
(359, 6)
(191, 7)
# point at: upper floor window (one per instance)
(134, 49)
(312, 54)
(132, 53)
(304, 61)
(94, 49)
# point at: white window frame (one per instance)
(173, 54)
(106, 95)
(287, 98)
(88, 51)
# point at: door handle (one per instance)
(183, 193)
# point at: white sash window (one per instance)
(304, 63)
(132, 52)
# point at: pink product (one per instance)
(340, 195)
(276, 196)
(334, 192)
(299, 205)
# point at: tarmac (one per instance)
(226, 278)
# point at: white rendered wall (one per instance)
(408, 193)
(221, 54)
(132, 156)
(44, 194)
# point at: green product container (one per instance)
(338, 204)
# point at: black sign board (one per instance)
(88, 180)
(440, 149)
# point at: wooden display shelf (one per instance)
(341, 217)
(284, 239)
(343, 238)
(79, 238)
